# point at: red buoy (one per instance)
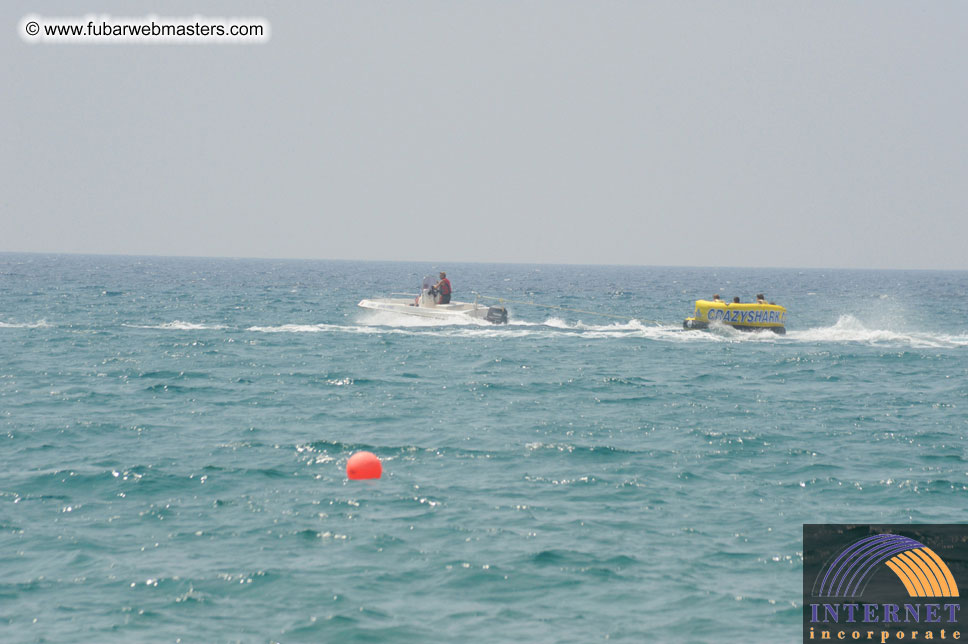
(364, 465)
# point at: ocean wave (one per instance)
(39, 324)
(292, 328)
(323, 328)
(178, 325)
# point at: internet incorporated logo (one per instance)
(892, 568)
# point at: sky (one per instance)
(699, 133)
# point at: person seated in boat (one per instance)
(716, 298)
(760, 299)
(427, 286)
(736, 300)
(443, 289)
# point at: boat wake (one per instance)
(849, 329)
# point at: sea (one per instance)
(174, 435)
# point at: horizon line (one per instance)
(435, 263)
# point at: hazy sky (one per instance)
(804, 134)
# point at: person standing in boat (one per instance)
(443, 289)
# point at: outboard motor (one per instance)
(497, 315)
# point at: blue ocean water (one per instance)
(175, 433)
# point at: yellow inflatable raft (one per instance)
(746, 317)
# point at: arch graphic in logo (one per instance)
(919, 568)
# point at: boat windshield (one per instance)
(428, 283)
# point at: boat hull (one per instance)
(743, 317)
(452, 311)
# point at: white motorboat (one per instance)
(425, 306)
